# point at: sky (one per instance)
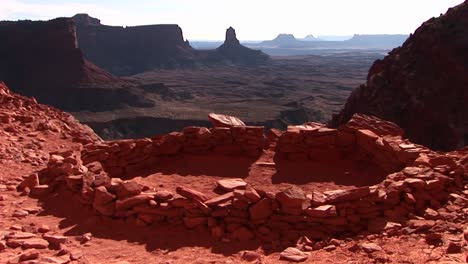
(252, 19)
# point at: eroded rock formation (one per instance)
(41, 59)
(131, 50)
(231, 50)
(423, 85)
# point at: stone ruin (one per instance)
(418, 182)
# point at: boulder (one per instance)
(218, 120)
(294, 255)
(293, 198)
(231, 184)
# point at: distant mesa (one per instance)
(378, 40)
(132, 50)
(283, 40)
(422, 85)
(310, 38)
(86, 20)
(127, 51)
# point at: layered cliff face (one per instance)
(231, 50)
(131, 50)
(423, 85)
(42, 59)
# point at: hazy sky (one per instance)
(252, 19)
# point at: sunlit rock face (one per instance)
(422, 85)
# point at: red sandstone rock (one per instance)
(242, 234)
(129, 202)
(261, 210)
(163, 195)
(218, 120)
(322, 211)
(30, 182)
(128, 188)
(191, 194)
(231, 184)
(220, 199)
(370, 247)
(29, 255)
(420, 85)
(294, 255)
(346, 195)
(293, 197)
(192, 222)
(37, 243)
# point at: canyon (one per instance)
(229, 155)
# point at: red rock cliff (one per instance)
(130, 50)
(423, 85)
(42, 59)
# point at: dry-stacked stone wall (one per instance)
(129, 157)
(426, 181)
(363, 138)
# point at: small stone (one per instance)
(29, 229)
(20, 213)
(431, 214)
(433, 239)
(250, 256)
(370, 247)
(191, 194)
(294, 255)
(3, 245)
(453, 248)
(231, 184)
(76, 255)
(20, 235)
(334, 242)
(38, 243)
(55, 239)
(128, 188)
(29, 255)
(43, 229)
(30, 182)
(16, 227)
(163, 195)
(86, 237)
(329, 248)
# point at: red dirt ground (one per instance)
(115, 241)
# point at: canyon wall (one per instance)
(131, 50)
(422, 86)
(42, 59)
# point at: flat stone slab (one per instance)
(231, 184)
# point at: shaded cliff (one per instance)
(131, 50)
(423, 85)
(41, 59)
